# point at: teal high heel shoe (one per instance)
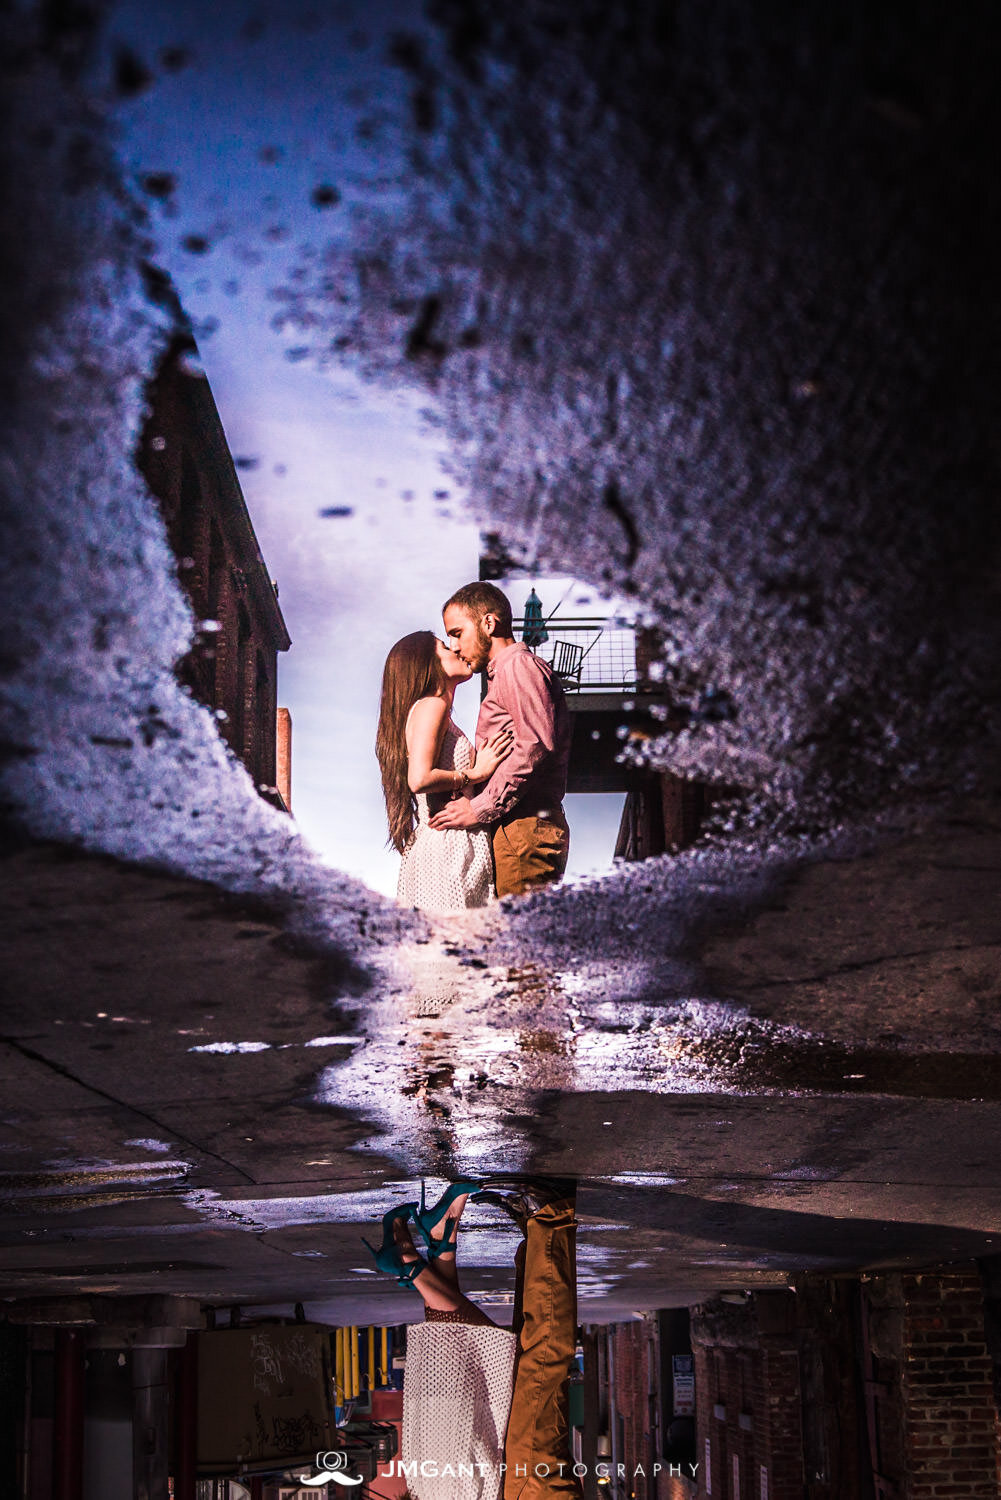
(389, 1257)
(427, 1218)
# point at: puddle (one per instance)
(15, 1185)
(78, 1188)
(942, 1075)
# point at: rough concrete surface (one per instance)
(704, 301)
(134, 1164)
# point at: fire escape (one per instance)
(614, 698)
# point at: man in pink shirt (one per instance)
(523, 800)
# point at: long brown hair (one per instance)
(412, 671)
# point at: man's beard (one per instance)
(483, 644)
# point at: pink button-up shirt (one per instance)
(524, 694)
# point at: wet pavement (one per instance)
(708, 322)
(197, 1103)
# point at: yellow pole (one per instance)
(339, 1366)
(371, 1357)
(384, 1368)
(355, 1363)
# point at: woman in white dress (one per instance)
(460, 1366)
(425, 760)
(485, 1409)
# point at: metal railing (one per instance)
(588, 654)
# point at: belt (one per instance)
(545, 815)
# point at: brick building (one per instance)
(639, 1434)
(232, 666)
(930, 1384)
(879, 1387)
(749, 1362)
(850, 1389)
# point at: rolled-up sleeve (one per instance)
(522, 692)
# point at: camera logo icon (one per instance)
(331, 1466)
(333, 1462)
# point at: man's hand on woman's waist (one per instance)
(459, 813)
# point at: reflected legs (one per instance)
(545, 1320)
(438, 1282)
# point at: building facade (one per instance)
(881, 1386)
(232, 666)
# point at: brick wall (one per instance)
(780, 1447)
(630, 1343)
(778, 1391)
(232, 669)
(950, 1416)
(634, 1352)
(748, 1405)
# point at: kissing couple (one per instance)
(473, 822)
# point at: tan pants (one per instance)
(545, 1320)
(529, 852)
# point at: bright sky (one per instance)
(349, 586)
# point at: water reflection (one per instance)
(474, 1392)
(457, 1043)
(812, 1103)
(798, 1338)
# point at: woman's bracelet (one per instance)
(463, 780)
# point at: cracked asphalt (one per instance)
(196, 1103)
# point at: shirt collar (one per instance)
(494, 661)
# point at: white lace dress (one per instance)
(456, 1401)
(448, 869)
